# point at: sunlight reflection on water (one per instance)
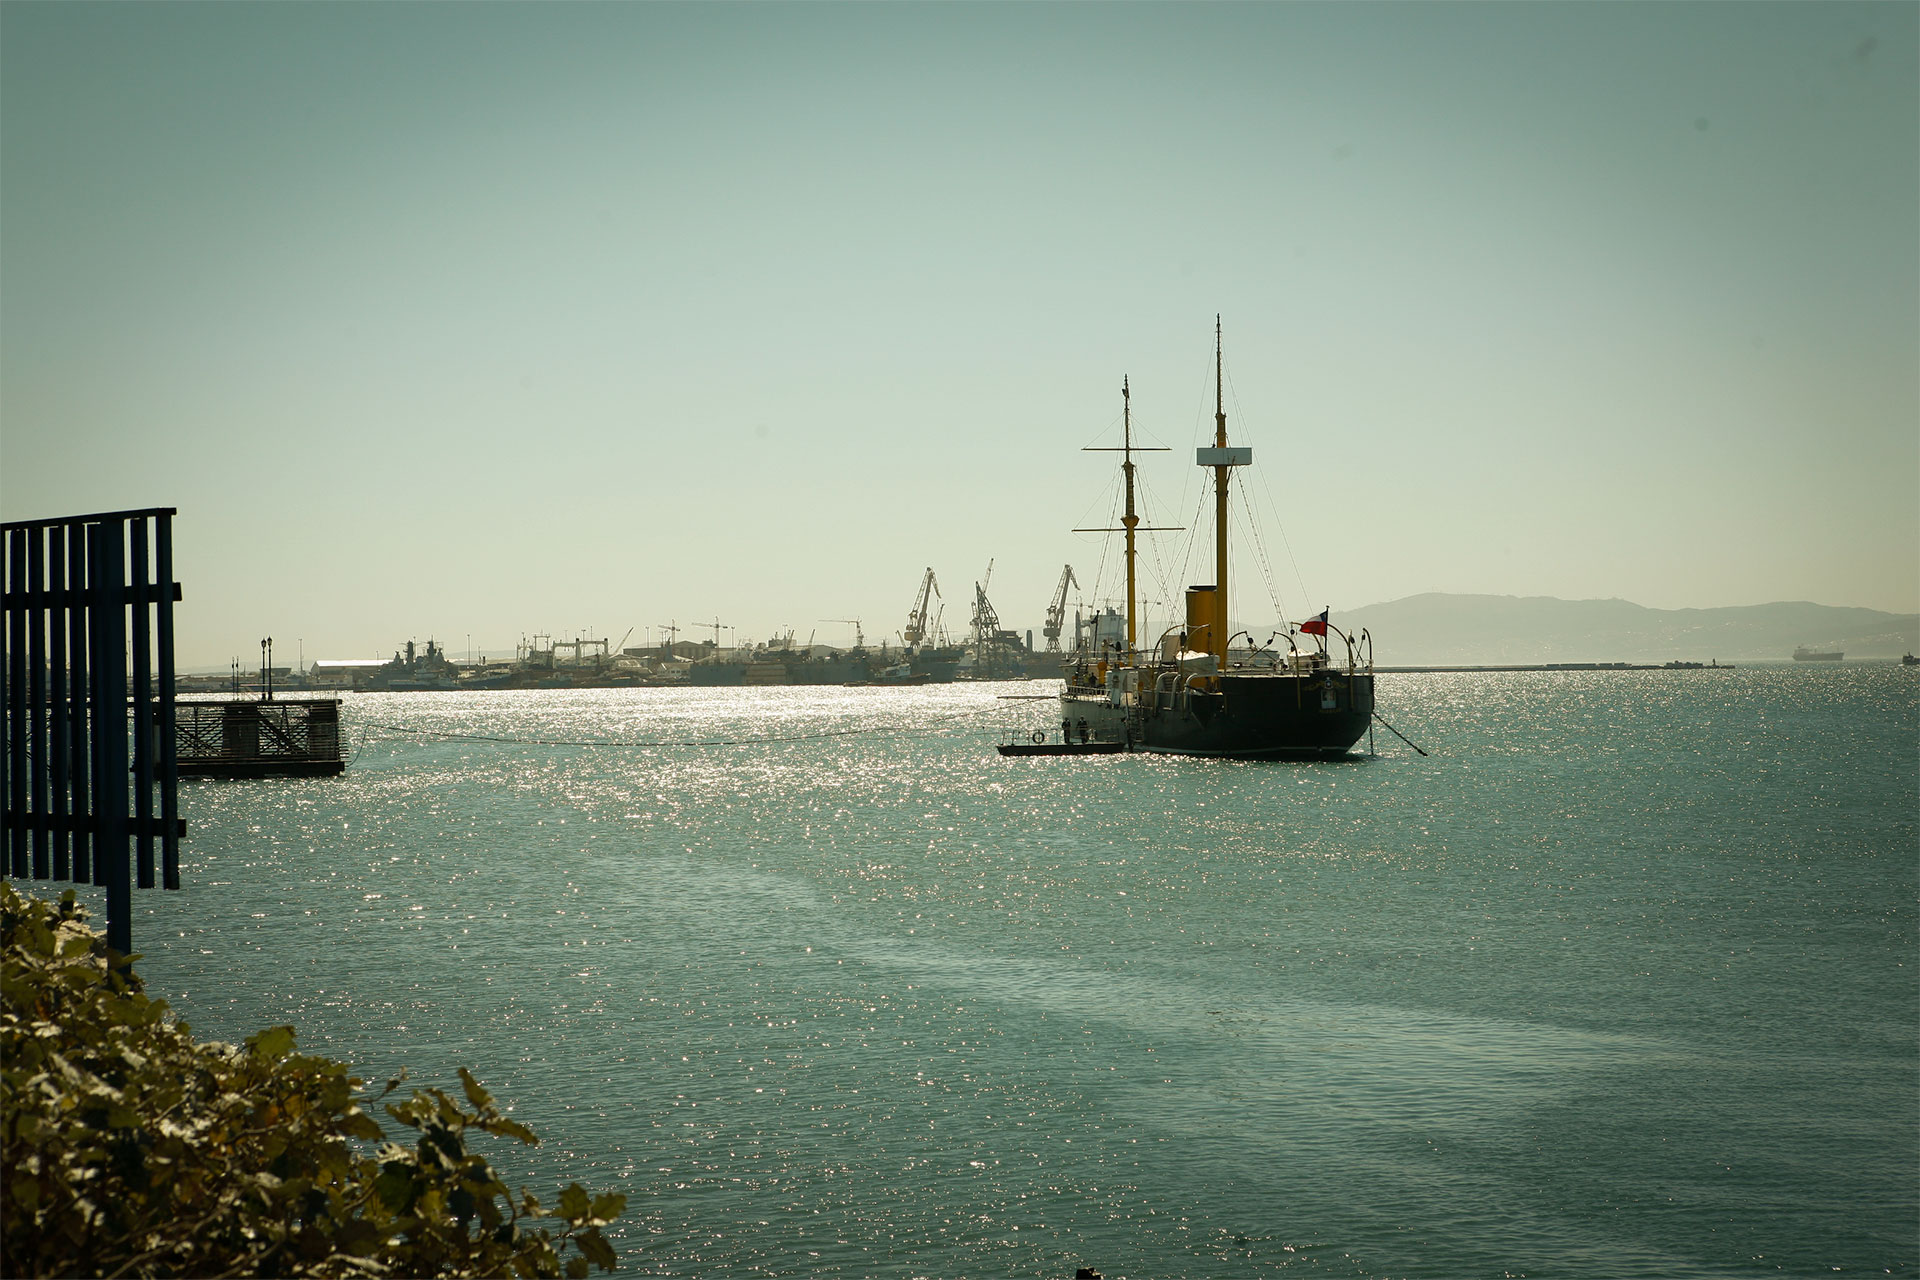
(825, 1004)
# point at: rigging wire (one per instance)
(1251, 511)
(1195, 563)
(1287, 544)
(1197, 558)
(1273, 510)
(1159, 582)
(1280, 526)
(1252, 524)
(1116, 496)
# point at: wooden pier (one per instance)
(259, 738)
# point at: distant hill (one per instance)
(1439, 629)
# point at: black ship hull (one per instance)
(1267, 716)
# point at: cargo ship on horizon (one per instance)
(1804, 654)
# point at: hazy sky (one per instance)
(481, 320)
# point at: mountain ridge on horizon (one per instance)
(1437, 627)
(1622, 600)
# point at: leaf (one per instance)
(358, 1237)
(132, 1149)
(478, 1097)
(358, 1124)
(394, 1186)
(411, 1112)
(578, 1269)
(272, 1044)
(595, 1247)
(502, 1127)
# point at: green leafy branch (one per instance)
(128, 1149)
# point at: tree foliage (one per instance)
(128, 1149)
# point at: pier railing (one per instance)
(88, 748)
(259, 738)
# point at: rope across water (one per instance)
(399, 731)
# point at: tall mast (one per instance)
(1220, 474)
(1129, 520)
(1222, 459)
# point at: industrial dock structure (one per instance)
(922, 652)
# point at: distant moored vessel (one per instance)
(1191, 692)
(1804, 654)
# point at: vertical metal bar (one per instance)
(37, 698)
(16, 806)
(169, 744)
(6, 707)
(78, 633)
(139, 617)
(111, 860)
(96, 691)
(59, 742)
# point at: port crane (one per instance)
(917, 629)
(859, 636)
(580, 646)
(986, 621)
(994, 649)
(1057, 611)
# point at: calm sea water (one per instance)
(1620, 981)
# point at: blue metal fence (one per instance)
(87, 752)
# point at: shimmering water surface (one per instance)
(1621, 981)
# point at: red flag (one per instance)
(1315, 626)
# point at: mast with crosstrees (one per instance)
(1222, 459)
(1221, 474)
(1130, 522)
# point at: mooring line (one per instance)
(1395, 732)
(400, 730)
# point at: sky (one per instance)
(484, 321)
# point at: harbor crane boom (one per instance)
(917, 629)
(1057, 611)
(986, 619)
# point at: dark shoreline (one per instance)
(1562, 666)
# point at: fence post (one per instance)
(82, 728)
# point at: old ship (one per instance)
(1190, 692)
